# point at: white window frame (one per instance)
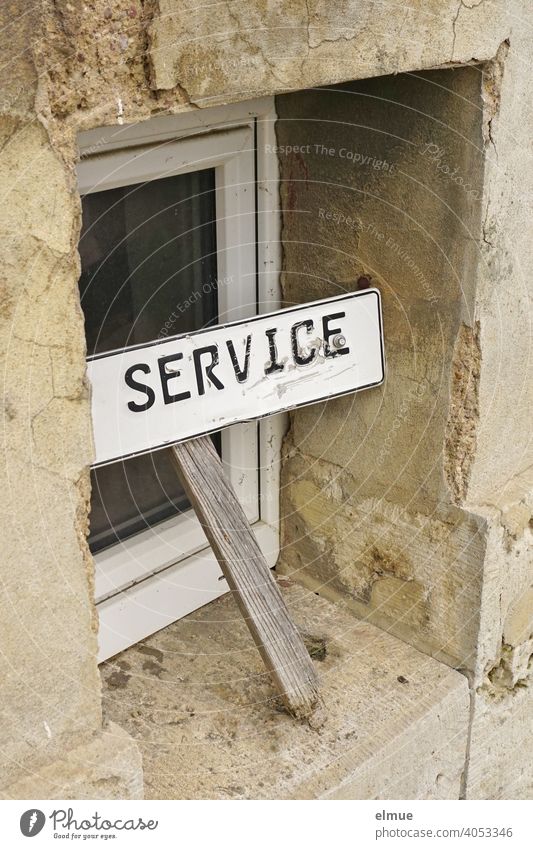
(144, 583)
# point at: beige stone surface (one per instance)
(247, 49)
(49, 674)
(106, 767)
(505, 642)
(503, 460)
(500, 765)
(198, 701)
(501, 480)
(499, 761)
(412, 505)
(417, 576)
(51, 702)
(391, 217)
(373, 483)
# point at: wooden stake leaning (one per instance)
(247, 573)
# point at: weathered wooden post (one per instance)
(248, 576)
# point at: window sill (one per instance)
(176, 590)
(395, 720)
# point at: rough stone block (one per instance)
(392, 217)
(500, 762)
(250, 48)
(107, 767)
(419, 577)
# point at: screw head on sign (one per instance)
(338, 341)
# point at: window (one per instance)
(148, 257)
(180, 231)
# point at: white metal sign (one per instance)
(148, 396)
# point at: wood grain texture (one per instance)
(247, 573)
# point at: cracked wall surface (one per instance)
(501, 474)
(411, 505)
(259, 48)
(428, 479)
(50, 690)
(372, 506)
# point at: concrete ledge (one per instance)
(109, 767)
(196, 698)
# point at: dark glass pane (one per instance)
(148, 256)
(133, 495)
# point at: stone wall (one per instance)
(448, 542)
(410, 505)
(376, 519)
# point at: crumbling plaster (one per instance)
(368, 481)
(265, 47)
(70, 66)
(374, 484)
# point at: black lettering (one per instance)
(296, 350)
(197, 355)
(273, 351)
(166, 377)
(240, 374)
(140, 387)
(332, 331)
